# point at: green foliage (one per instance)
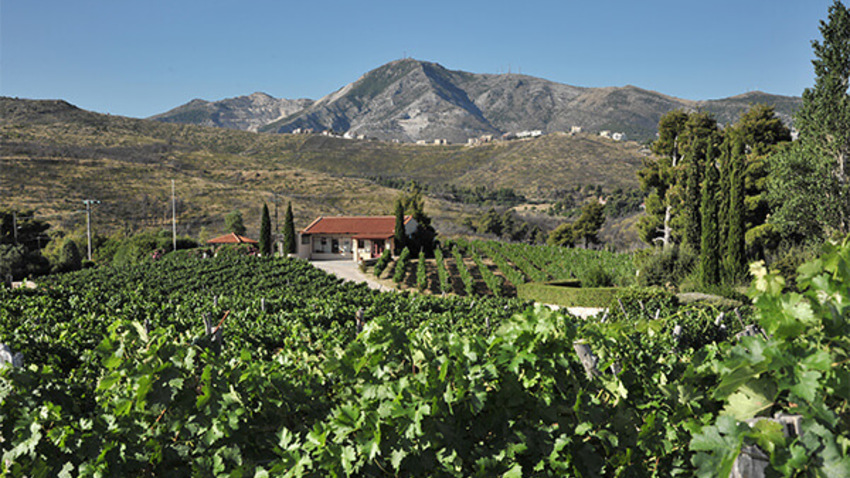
(802, 192)
(710, 245)
(289, 236)
(265, 232)
(382, 262)
(666, 267)
(463, 271)
(401, 266)
(562, 236)
(734, 261)
(824, 117)
(70, 258)
(442, 272)
(399, 236)
(587, 225)
(121, 378)
(798, 367)
(493, 282)
(421, 272)
(566, 296)
(598, 276)
(233, 222)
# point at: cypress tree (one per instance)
(398, 234)
(289, 231)
(265, 232)
(692, 200)
(725, 162)
(710, 242)
(735, 260)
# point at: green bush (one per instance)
(665, 267)
(598, 276)
(382, 262)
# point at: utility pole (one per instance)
(88, 203)
(15, 226)
(173, 218)
(276, 226)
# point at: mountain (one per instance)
(246, 113)
(410, 100)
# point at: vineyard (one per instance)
(493, 268)
(245, 366)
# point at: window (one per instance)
(305, 240)
(335, 246)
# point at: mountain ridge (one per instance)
(410, 100)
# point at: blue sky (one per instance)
(140, 58)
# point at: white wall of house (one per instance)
(328, 246)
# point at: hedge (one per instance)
(567, 296)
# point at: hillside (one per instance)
(410, 100)
(54, 155)
(247, 113)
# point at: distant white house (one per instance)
(575, 130)
(529, 134)
(618, 136)
(441, 141)
(605, 133)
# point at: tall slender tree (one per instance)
(710, 240)
(699, 134)
(734, 264)
(265, 232)
(289, 231)
(399, 237)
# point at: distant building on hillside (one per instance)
(605, 133)
(441, 141)
(575, 130)
(529, 134)
(618, 136)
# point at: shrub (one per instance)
(664, 267)
(598, 276)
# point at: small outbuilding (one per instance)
(231, 238)
(350, 237)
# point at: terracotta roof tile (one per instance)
(231, 239)
(363, 226)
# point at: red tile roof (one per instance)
(363, 227)
(231, 239)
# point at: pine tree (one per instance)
(659, 178)
(233, 222)
(735, 261)
(709, 243)
(265, 232)
(289, 231)
(824, 116)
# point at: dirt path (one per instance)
(348, 270)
